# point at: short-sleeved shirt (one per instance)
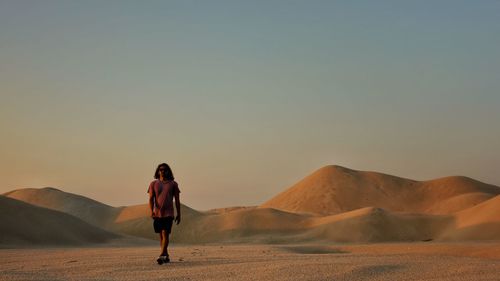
(163, 194)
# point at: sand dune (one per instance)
(333, 204)
(335, 189)
(23, 224)
(89, 210)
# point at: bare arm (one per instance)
(177, 207)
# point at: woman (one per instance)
(162, 191)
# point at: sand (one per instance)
(336, 224)
(394, 261)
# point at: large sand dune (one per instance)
(23, 224)
(335, 189)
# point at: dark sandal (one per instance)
(163, 259)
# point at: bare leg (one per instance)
(161, 243)
(164, 243)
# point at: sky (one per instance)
(244, 98)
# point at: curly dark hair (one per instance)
(168, 175)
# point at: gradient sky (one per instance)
(244, 98)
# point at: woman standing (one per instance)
(162, 191)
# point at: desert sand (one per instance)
(395, 261)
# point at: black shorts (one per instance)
(163, 223)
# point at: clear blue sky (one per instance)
(244, 98)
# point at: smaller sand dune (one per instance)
(486, 212)
(459, 202)
(249, 225)
(89, 210)
(377, 225)
(23, 224)
(481, 222)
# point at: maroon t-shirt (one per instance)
(163, 194)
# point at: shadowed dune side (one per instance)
(23, 224)
(335, 189)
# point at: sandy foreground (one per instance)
(393, 261)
